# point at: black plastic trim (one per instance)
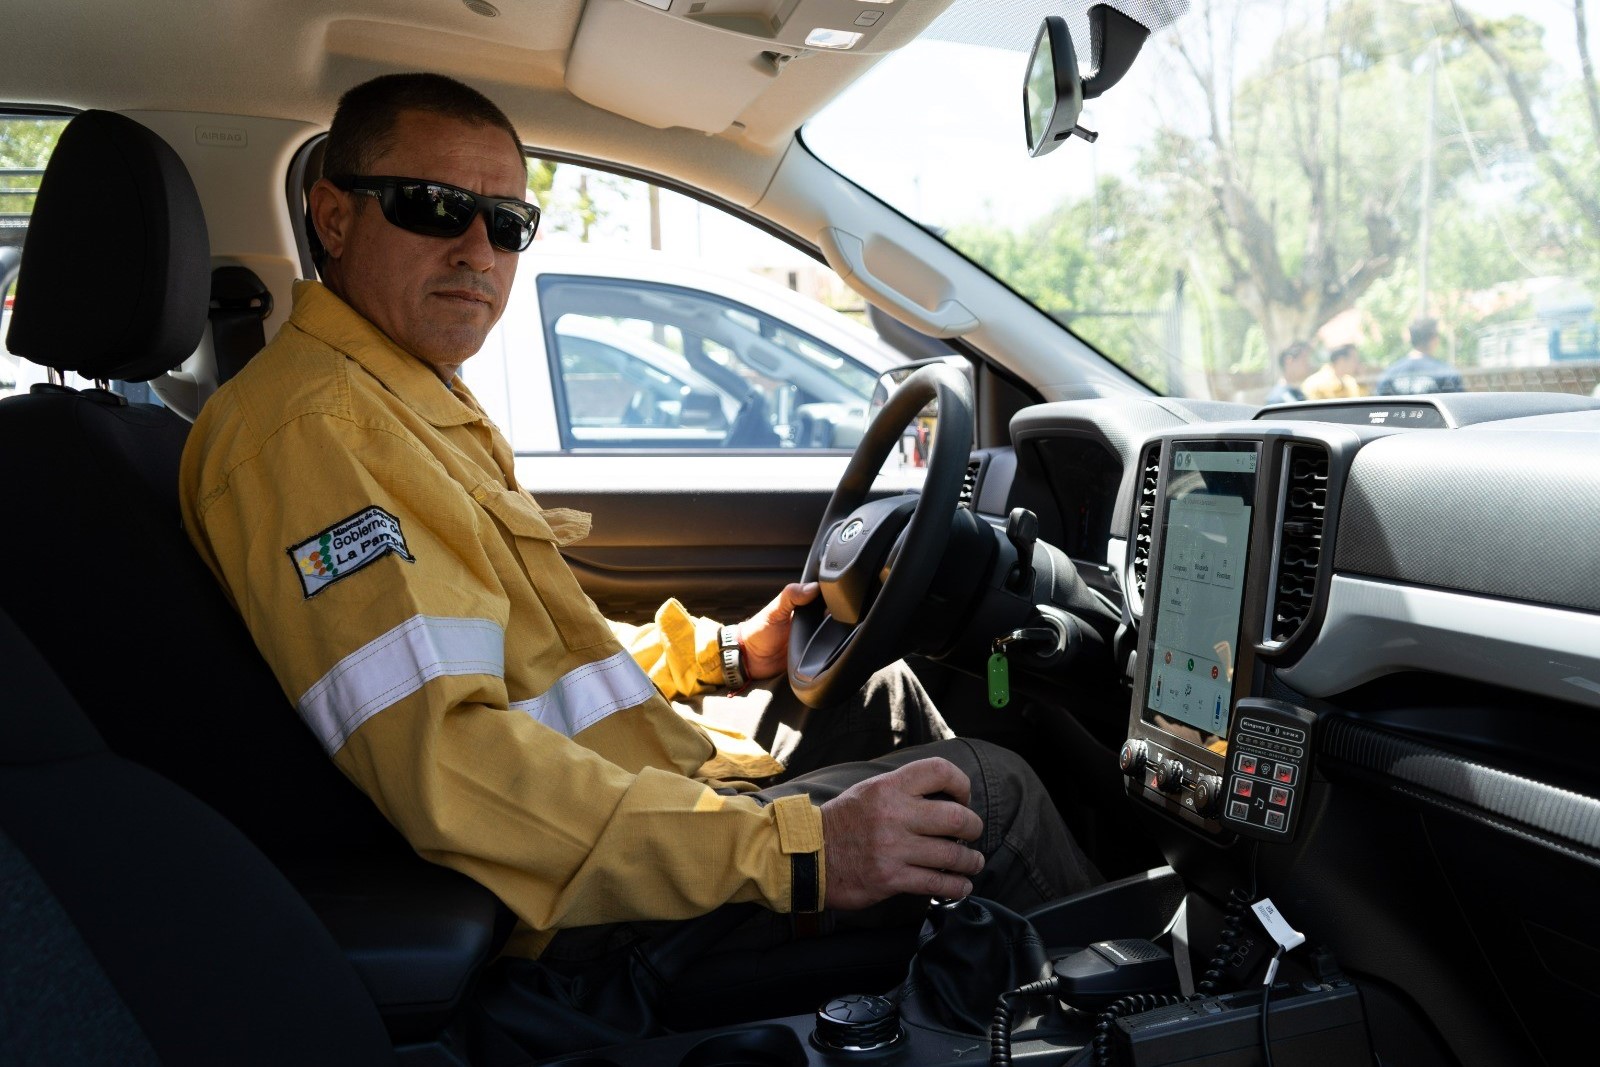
(1460, 784)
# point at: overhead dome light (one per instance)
(840, 39)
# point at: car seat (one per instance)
(115, 284)
(136, 926)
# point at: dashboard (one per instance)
(1366, 632)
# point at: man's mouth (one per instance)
(468, 296)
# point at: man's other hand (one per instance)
(765, 635)
(891, 834)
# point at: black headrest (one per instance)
(116, 270)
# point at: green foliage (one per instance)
(25, 144)
(541, 179)
(1098, 265)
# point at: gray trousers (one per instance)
(599, 985)
(1030, 858)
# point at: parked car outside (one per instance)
(637, 330)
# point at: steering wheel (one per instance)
(876, 560)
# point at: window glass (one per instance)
(646, 364)
(671, 324)
(1391, 186)
(26, 142)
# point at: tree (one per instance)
(1498, 41)
(1098, 265)
(25, 144)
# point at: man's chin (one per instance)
(449, 349)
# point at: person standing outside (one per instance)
(1335, 379)
(1294, 363)
(1418, 371)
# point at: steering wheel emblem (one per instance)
(852, 530)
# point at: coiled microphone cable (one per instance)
(1000, 1028)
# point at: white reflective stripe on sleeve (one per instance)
(585, 695)
(396, 664)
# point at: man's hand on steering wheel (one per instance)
(765, 635)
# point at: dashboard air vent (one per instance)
(1300, 541)
(969, 484)
(1149, 474)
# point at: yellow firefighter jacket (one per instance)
(366, 522)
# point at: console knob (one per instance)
(1131, 758)
(857, 1023)
(1169, 776)
(1208, 795)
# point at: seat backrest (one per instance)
(136, 926)
(104, 580)
(106, 585)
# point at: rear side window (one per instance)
(26, 142)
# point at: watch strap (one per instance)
(732, 657)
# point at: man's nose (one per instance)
(473, 249)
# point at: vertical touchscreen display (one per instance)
(1205, 543)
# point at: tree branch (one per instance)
(1591, 92)
(1538, 143)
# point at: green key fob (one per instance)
(999, 680)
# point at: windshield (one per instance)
(1296, 199)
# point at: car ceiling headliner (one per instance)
(291, 59)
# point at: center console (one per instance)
(1234, 546)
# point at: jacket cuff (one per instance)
(691, 648)
(799, 825)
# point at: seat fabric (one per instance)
(140, 926)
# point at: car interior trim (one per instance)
(1372, 628)
(1401, 519)
(1569, 817)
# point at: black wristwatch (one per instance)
(732, 657)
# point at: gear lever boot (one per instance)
(972, 950)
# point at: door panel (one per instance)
(721, 532)
(723, 554)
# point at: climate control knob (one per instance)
(1208, 795)
(1169, 776)
(1131, 758)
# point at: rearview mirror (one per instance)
(1052, 96)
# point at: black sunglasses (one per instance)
(435, 209)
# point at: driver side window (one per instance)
(641, 364)
(670, 325)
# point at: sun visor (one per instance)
(701, 63)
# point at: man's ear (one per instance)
(331, 211)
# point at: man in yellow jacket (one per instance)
(365, 518)
(1335, 378)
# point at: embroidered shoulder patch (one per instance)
(346, 547)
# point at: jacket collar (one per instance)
(318, 312)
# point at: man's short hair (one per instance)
(1423, 331)
(364, 122)
(1344, 352)
(1295, 349)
